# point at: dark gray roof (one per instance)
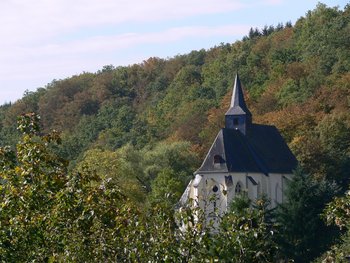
(235, 111)
(261, 150)
(238, 106)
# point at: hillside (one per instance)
(296, 77)
(149, 125)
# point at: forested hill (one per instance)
(134, 135)
(297, 77)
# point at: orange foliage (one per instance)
(296, 70)
(282, 39)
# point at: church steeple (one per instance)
(238, 116)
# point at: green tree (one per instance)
(48, 214)
(302, 234)
(108, 165)
(166, 187)
(337, 213)
(246, 234)
(31, 180)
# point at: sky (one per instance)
(43, 40)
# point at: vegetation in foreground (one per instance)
(51, 214)
(133, 136)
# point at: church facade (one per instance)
(245, 158)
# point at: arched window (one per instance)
(238, 188)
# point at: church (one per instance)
(245, 158)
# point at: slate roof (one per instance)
(261, 150)
(238, 106)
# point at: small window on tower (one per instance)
(235, 121)
(218, 159)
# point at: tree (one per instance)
(334, 136)
(48, 214)
(31, 179)
(337, 213)
(246, 234)
(166, 187)
(175, 156)
(302, 234)
(108, 165)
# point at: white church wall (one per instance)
(225, 194)
(275, 185)
(218, 201)
(254, 182)
(217, 180)
(278, 184)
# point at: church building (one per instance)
(245, 158)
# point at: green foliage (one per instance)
(299, 235)
(334, 133)
(324, 152)
(291, 93)
(108, 165)
(239, 204)
(50, 215)
(31, 179)
(177, 156)
(337, 213)
(162, 171)
(123, 128)
(281, 66)
(245, 235)
(166, 187)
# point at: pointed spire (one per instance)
(237, 95)
(238, 116)
(238, 105)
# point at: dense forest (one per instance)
(92, 166)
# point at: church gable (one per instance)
(215, 161)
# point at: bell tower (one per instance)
(238, 116)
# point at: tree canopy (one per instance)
(98, 176)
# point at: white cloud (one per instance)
(39, 64)
(37, 20)
(32, 56)
(118, 42)
(40, 38)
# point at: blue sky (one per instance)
(42, 40)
